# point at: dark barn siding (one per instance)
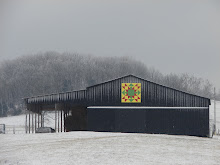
(169, 121)
(159, 121)
(130, 121)
(101, 120)
(109, 94)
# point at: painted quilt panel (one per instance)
(131, 92)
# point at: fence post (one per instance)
(13, 129)
(214, 113)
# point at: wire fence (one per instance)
(12, 129)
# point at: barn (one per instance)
(126, 104)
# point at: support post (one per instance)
(26, 121)
(38, 121)
(29, 123)
(61, 116)
(64, 118)
(55, 120)
(32, 122)
(35, 123)
(58, 124)
(41, 120)
(56, 106)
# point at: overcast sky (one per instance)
(175, 36)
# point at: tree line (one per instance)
(52, 72)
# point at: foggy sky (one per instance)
(172, 36)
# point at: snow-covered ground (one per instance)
(217, 115)
(16, 124)
(107, 148)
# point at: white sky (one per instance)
(173, 36)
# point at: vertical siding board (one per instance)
(116, 89)
(108, 91)
(201, 102)
(183, 101)
(172, 96)
(168, 94)
(149, 93)
(161, 96)
(152, 94)
(190, 100)
(196, 102)
(155, 95)
(146, 94)
(158, 95)
(177, 98)
(175, 95)
(94, 94)
(174, 100)
(164, 96)
(187, 100)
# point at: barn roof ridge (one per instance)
(112, 80)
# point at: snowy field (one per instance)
(107, 148)
(217, 115)
(104, 148)
(16, 124)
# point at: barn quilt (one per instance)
(131, 92)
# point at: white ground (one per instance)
(16, 124)
(217, 115)
(105, 148)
